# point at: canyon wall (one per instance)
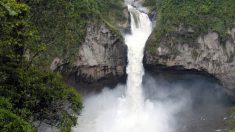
(207, 53)
(102, 55)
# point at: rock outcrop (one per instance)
(207, 53)
(102, 55)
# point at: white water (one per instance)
(141, 28)
(125, 108)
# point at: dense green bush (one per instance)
(28, 93)
(40, 94)
(9, 122)
(17, 34)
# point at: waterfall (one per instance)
(124, 109)
(141, 28)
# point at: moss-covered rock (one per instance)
(195, 35)
(62, 24)
(197, 16)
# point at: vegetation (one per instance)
(231, 120)
(32, 33)
(111, 12)
(28, 93)
(62, 24)
(202, 16)
(9, 122)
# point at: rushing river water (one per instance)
(138, 107)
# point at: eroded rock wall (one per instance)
(102, 55)
(207, 53)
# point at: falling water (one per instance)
(152, 106)
(141, 28)
(114, 111)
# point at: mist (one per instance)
(204, 103)
(172, 103)
(149, 103)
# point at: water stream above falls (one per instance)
(150, 106)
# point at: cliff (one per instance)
(101, 55)
(82, 38)
(194, 38)
(206, 54)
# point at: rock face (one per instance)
(102, 55)
(207, 53)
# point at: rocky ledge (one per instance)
(207, 53)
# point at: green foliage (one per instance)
(40, 92)
(231, 121)
(68, 122)
(28, 93)
(58, 27)
(5, 103)
(111, 12)
(200, 15)
(9, 122)
(16, 32)
(62, 24)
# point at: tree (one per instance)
(30, 93)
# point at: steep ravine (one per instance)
(207, 53)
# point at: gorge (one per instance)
(117, 65)
(132, 112)
(150, 106)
